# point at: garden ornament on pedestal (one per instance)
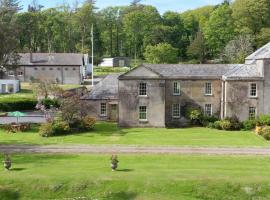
(7, 162)
(114, 162)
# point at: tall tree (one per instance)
(197, 48)
(8, 34)
(219, 30)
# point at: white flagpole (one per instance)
(92, 33)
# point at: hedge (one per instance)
(14, 104)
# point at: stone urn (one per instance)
(7, 164)
(114, 162)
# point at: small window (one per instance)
(253, 90)
(176, 88)
(252, 113)
(36, 68)
(66, 69)
(143, 113)
(10, 73)
(51, 68)
(19, 73)
(143, 89)
(208, 88)
(176, 110)
(208, 109)
(74, 69)
(58, 69)
(43, 68)
(103, 109)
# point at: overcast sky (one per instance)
(162, 5)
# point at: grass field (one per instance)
(140, 177)
(109, 133)
(103, 71)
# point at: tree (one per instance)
(197, 48)
(8, 35)
(219, 30)
(161, 53)
(263, 37)
(238, 49)
(251, 16)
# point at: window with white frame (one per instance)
(142, 89)
(253, 90)
(176, 88)
(143, 113)
(103, 109)
(252, 113)
(208, 88)
(208, 109)
(176, 111)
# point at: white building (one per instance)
(9, 86)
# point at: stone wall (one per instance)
(129, 102)
(238, 101)
(192, 94)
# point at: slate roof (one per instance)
(243, 71)
(106, 89)
(51, 59)
(190, 70)
(262, 53)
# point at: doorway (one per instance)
(113, 112)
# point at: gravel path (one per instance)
(130, 150)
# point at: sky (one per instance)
(162, 5)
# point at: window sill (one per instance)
(143, 120)
(255, 97)
(176, 94)
(143, 96)
(103, 115)
(208, 95)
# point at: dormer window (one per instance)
(253, 90)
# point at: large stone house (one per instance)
(64, 68)
(157, 95)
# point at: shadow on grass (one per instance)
(121, 196)
(6, 194)
(17, 169)
(125, 170)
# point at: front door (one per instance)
(113, 112)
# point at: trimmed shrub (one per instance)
(194, 115)
(88, 123)
(264, 120)
(266, 132)
(46, 130)
(249, 125)
(14, 104)
(61, 128)
(211, 125)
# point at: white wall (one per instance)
(5, 83)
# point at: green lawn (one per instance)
(109, 133)
(140, 177)
(103, 71)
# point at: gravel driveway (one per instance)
(130, 150)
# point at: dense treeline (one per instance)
(226, 32)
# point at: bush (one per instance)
(194, 115)
(211, 125)
(206, 120)
(235, 123)
(48, 103)
(225, 125)
(264, 120)
(266, 132)
(217, 125)
(249, 125)
(61, 128)
(46, 130)
(14, 104)
(88, 123)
